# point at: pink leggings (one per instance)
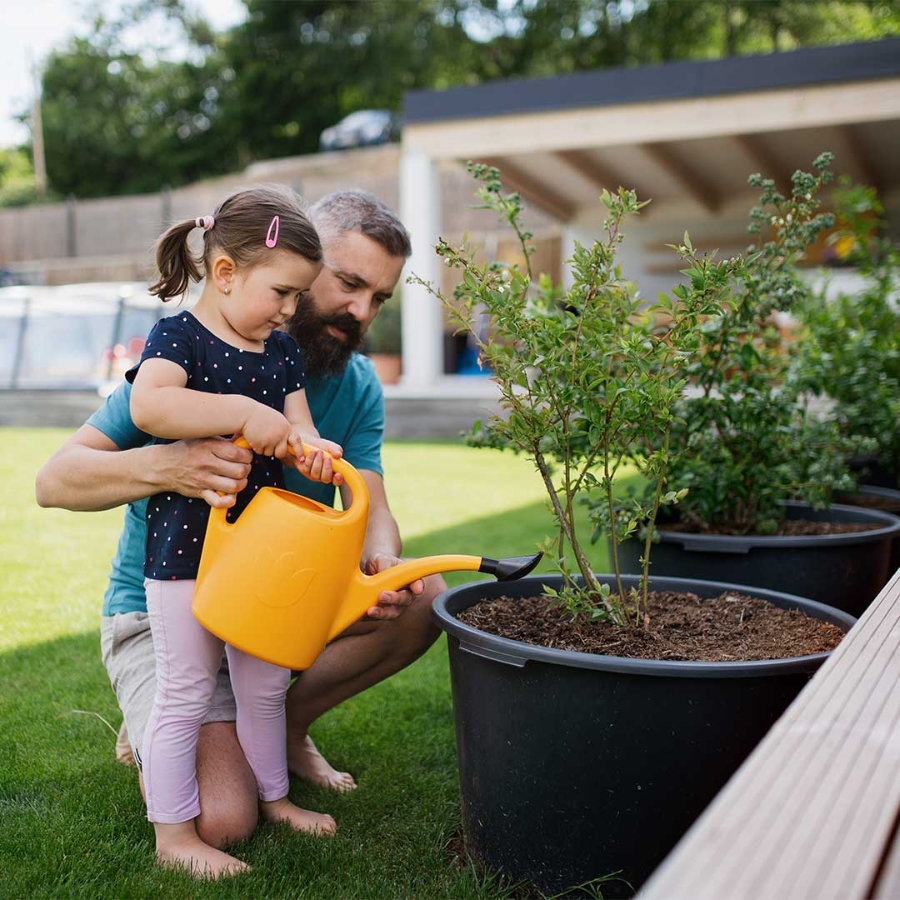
(187, 660)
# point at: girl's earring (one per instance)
(227, 290)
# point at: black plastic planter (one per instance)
(842, 570)
(574, 766)
(885, 500)
(873, 473)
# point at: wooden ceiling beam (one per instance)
(859, 159)
(532, 189)
(690, 183)
(767, 165)
(598, 174)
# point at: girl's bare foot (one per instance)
(299, 819)
(305, 761)
(124, 753)
(179, 846)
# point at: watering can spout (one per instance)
(366, 588)
(510, 568)
(399, 576)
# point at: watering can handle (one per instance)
(351, 475)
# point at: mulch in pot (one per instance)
(732, 627)
(872, 501)
(786, 528)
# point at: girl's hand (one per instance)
(316, 465)
(267, 431)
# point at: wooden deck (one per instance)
(813, 812)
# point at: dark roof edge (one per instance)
(668, 81)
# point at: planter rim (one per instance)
(889, 527)
(518, 653)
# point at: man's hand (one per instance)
(90, 472)
(213, 469)
(391, 604)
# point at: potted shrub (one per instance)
(759, 469)
(383, 341)
(578, 765)
(850, 348)
(849, 353)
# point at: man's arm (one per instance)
(382, 548)
(90, 472)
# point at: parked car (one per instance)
(362, 128)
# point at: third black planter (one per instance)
(575, 765)
(842, 570)
(884, 499)
(873, 473)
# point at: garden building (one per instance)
(685, 135)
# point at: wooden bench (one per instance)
(813, 812)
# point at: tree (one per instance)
(17, 183)
(315, 62)
(118, 121)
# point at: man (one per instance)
(108, 462)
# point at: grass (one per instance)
(71, 819)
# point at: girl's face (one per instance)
(264, 297)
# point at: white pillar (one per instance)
(420, 210)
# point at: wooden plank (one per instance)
(600, 176)
(767, 165)
(812, 811)
(694, 185)
(859, 159)
(533, 190)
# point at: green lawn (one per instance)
(71, 819)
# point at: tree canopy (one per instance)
(122, 115)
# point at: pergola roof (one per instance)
(681, 133)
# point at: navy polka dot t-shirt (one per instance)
(176, 525)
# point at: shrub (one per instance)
(850, 348)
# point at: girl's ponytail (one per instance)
(177, 265)
(248, 227)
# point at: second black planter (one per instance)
(575, 766)
(842, 570)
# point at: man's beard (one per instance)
(324, 354)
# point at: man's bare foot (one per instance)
(124, 753)
(299, 819)
(179, 847)
(305, 761)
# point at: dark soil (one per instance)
(730, 628)
(786, 528)
(871, 501)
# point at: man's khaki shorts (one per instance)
(126, 646)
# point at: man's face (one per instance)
(357, 277)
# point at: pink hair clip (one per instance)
(205, 222)
(272, 233)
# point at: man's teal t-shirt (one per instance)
(346, 408)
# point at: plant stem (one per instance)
(648, 538)
(590, 582)
(613, 540)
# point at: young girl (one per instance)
(221, 369)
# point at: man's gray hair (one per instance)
(346, 211)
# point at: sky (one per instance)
(32, 28)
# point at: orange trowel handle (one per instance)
(351, 476)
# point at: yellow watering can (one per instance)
(284, 579)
